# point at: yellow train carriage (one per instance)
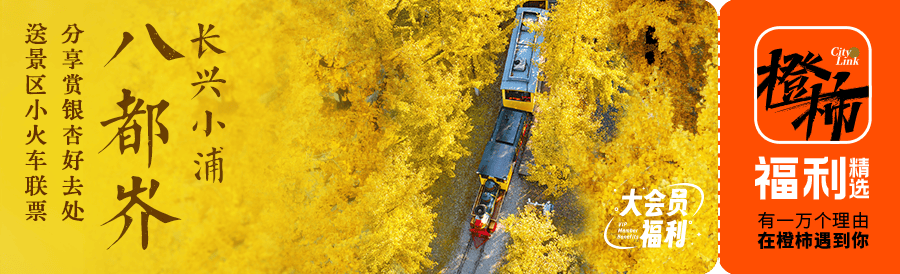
(520, 73)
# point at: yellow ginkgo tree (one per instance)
(377, 105)
(536, 245)
(632, 105)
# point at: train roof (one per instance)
(501, 148)
(520, 71)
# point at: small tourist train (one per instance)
(502, 154)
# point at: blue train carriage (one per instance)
(501, 155)
(520, 73)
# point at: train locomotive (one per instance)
(502, 153)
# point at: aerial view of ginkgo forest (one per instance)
(414, 136)
(491, 136)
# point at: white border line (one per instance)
(756, 80)
(718, 146)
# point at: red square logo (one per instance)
(813, 85)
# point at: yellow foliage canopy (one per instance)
(378, 100)
(662, 121)
(536, 246)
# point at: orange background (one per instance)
(741, 23)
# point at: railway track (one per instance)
(459, 270)
(498, 170)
